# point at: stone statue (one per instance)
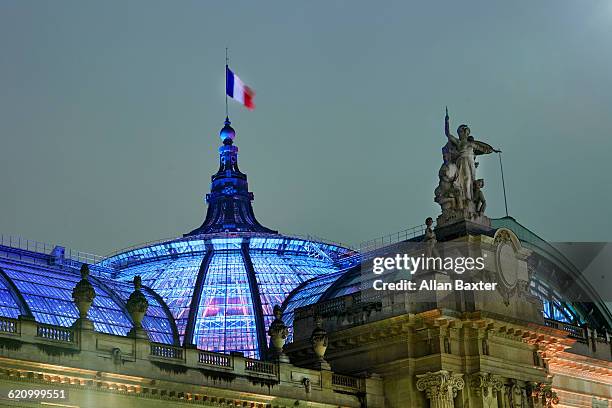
(463, 150)
(448, 194)
(480, 204)
(430, 239)
(459, 191)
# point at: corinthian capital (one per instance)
(440, 385)
(482, 383)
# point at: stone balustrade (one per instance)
(55, 333)
(166, 351)
(262, 367)
(82, 357)
(345, 381)
(8, 325)
(215, 359)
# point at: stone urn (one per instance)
(278, 333)
(83, 293)
(137, 304)
(319, 342)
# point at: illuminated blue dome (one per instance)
(214, 288)
(222, 280)
(221, 288)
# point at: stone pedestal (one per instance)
(83, 323)
(447, 230)
(138, 333)
(321, 364)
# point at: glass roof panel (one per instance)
(48, 293)
(155, 322)
(173, 280)
(8, 305)
(278, 275)
(308, 294)
(226, 317)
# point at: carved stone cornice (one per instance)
(573, 365)
(441, 386)
(483, 383)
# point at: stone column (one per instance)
(440, 387)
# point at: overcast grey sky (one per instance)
(110, 112)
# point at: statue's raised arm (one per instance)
(451, 138)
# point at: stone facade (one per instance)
(460, 349)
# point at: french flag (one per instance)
(237, 90)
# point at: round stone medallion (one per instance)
(507, 264)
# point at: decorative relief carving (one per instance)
(515, 395)
(507, 265)
(543, 394)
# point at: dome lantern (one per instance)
(229, 201)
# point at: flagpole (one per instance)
(226, 66)
(501, 167)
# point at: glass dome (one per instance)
(221, 289)
(222, 280)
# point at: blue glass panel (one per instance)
(9, 312)
(554, 307)
(226, 318)
(172, 249)
(48, 293)
(308, 294)
(173, 280)
(277, 275)
(226, 243)
(155, 321)
(266, 243)
(546, 311)
(8, 306)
